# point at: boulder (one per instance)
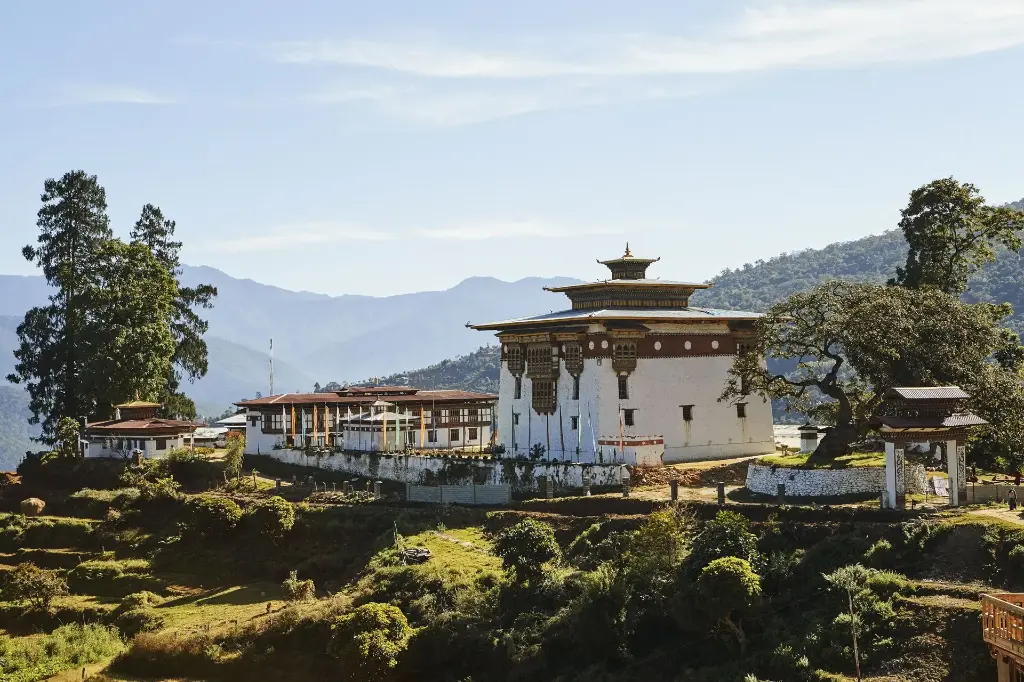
(33, 506)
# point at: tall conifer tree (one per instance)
(55, 339)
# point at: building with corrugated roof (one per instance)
(136, 428)
(371, 419)
(630, 361)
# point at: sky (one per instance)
(388, 147)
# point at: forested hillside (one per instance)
(476, 371)
(15, 432)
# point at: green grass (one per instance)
(28, 659)
(799, 461)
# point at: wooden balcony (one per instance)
(1002, 624)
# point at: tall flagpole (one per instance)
(271, 366)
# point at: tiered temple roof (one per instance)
(629, 297)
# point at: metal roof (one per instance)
(927, 393)
(233, 420)
(653, 314)
(929, 422)
(424, 397)
(630, 283)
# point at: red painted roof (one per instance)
(153, 425)
(366, 398)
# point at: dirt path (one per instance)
(1001, 513)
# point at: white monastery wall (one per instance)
(425, 470)
(658, 388)
(98, 449)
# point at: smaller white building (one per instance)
(136, 428)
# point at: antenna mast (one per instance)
(271, 366)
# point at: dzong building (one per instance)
(630, 372)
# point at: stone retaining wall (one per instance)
(764, 479)
(431, 470)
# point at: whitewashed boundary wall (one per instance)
(431, 470)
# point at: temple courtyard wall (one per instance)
(765, 479)
(523, 476)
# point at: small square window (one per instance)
(472, 433)
(741, 410)
(431, 436)
(161, 443)
(627, 417)
(687, 413)
(623, 387)
(453, 435)
(519, 388)
(575, 421)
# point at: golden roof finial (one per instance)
(627, 254)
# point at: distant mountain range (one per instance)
(349, 338)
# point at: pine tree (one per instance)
(55, 339)
(190, 359)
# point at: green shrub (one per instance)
(726, 589)
(212, 516)
(887, 584)
(68, 647)
(38, 587)
(110, 577)
(142, 599)
(368, 640)
(525, 547)
(298, 590)
(96, 503)
(135, 620)
(726, 535)
(271, 517)
(45, 533)
(880, 555)
(234, 455)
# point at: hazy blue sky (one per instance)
(382, 147)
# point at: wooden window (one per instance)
(687, 413)
(623, 387)
(575, 422)
(453, 435)
(741, 410)
(161, 443)
(473, 415)
(472, 433)
(543, 395)
(519, 388)
(515, 359)
(307, 421)
(253, 420)
(628, 418)
(575, 388)
(431, 436)
(573, 357)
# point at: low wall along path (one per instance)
(765, 479)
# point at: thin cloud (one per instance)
(512, 230)
(109, 94)
(297, 236)
(794, 34)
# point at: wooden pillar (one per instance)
(956, 465)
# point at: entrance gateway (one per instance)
(911, 415)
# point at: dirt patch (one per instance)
(695, 475)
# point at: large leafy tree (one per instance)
(131, 308)
(53, 353)
(952, 233)
(852, 342)
(190, 358)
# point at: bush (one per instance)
(133, 621)
(368, 641)
(271, 517)
(212, 516)
(110, 577)
(95, 504)
(887, 584)
(234, 455)
(880, 555)
(1015, 566)
(142, 599)
(727, 588)
(36, 586)
(298, 590)
(525, 547)
(726, 535)
(69, 646)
